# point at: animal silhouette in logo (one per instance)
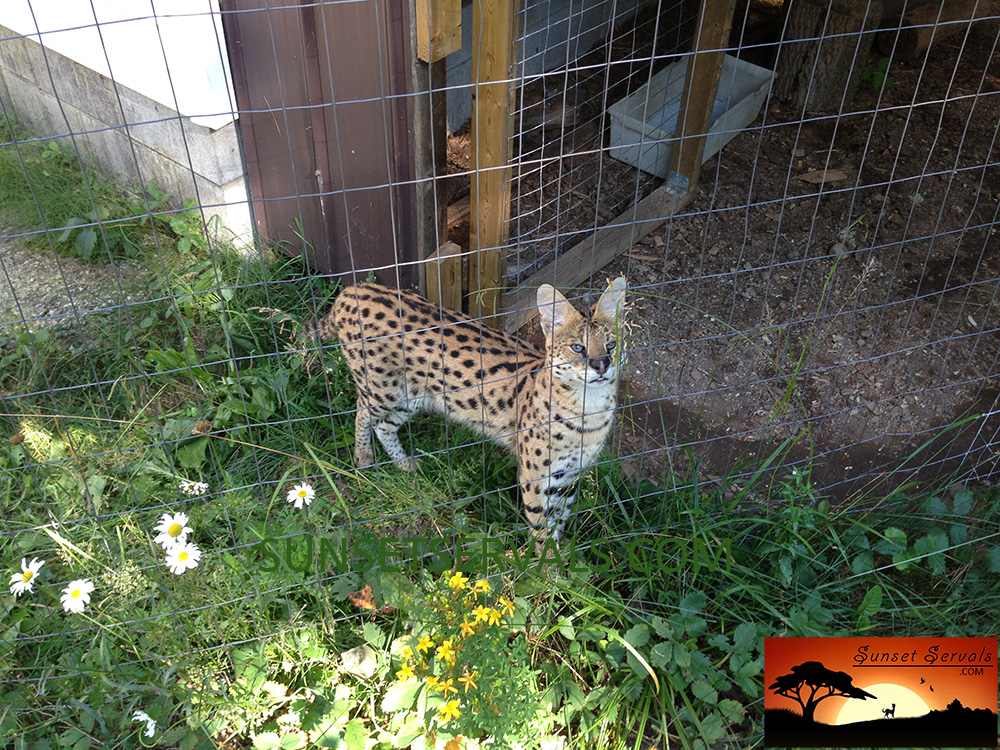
(887, 712)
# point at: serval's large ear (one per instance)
(553, 309)
(608, 309)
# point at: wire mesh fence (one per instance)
(185, 186)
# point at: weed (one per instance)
(878, 76)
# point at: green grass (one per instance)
(621, 649)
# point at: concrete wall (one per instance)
(124, 133)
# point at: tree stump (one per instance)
(825, 48)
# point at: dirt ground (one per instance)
(859, 317)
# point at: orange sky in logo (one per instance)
(900, 661)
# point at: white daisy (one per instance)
(24, 581)
(194, 489)
(183, 557)
(76, 596)
(173, 530)
(301, 494)
(150, 723)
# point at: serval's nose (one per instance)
(600, 365)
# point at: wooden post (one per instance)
(444, 276)
(700, 87)
(493, 23)
(439, 28)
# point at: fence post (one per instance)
(493, 23)
(700, 88)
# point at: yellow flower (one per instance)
(482, 586)
(446, 652)
(468, 680)
(406, 673)
(407, 652)
(447, 686)
(450, 710)
(458, 581)
(482, 613)
(425, 643)
(432, 682)
(467, 628)
(494, 617)
(507, 606)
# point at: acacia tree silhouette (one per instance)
(810, 682)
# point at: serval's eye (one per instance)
(578, 348)
(611, 345)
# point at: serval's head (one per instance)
(583, 351)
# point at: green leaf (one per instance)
(567, 630)
(863, 562)
(959, 533)
(693, 603)
(400, 696)
(731, 710)
(85, 243)
(893, 541)
(355, 735)
(661, 654)
(374, 636)
(192, 455)
(962, 505)
(993, 559)
(638, 635)
(682, 656)
(745, 637)
(71, 224)
(704, 692)
(712, 728)
(934, 506)
(870, 606)
(902, 560)
(329, 728)
(932, 545)
(266, 741)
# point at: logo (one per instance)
(880, 692)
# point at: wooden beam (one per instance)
(459, 211)
(579, 262)
(439, 28)
(444, 276)
(701, 87)
(926, 25)
(493, 28)
(430, 138)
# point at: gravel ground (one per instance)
(44, 291)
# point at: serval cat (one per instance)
(553, 409)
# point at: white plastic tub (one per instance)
(643, 124)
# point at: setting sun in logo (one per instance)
(904, 702)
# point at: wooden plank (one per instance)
(583, 259)
(701, 86)
(430, 139)
(493, 23)
(444, 276)
(459, 211)
(926, 25)
(439, 28)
